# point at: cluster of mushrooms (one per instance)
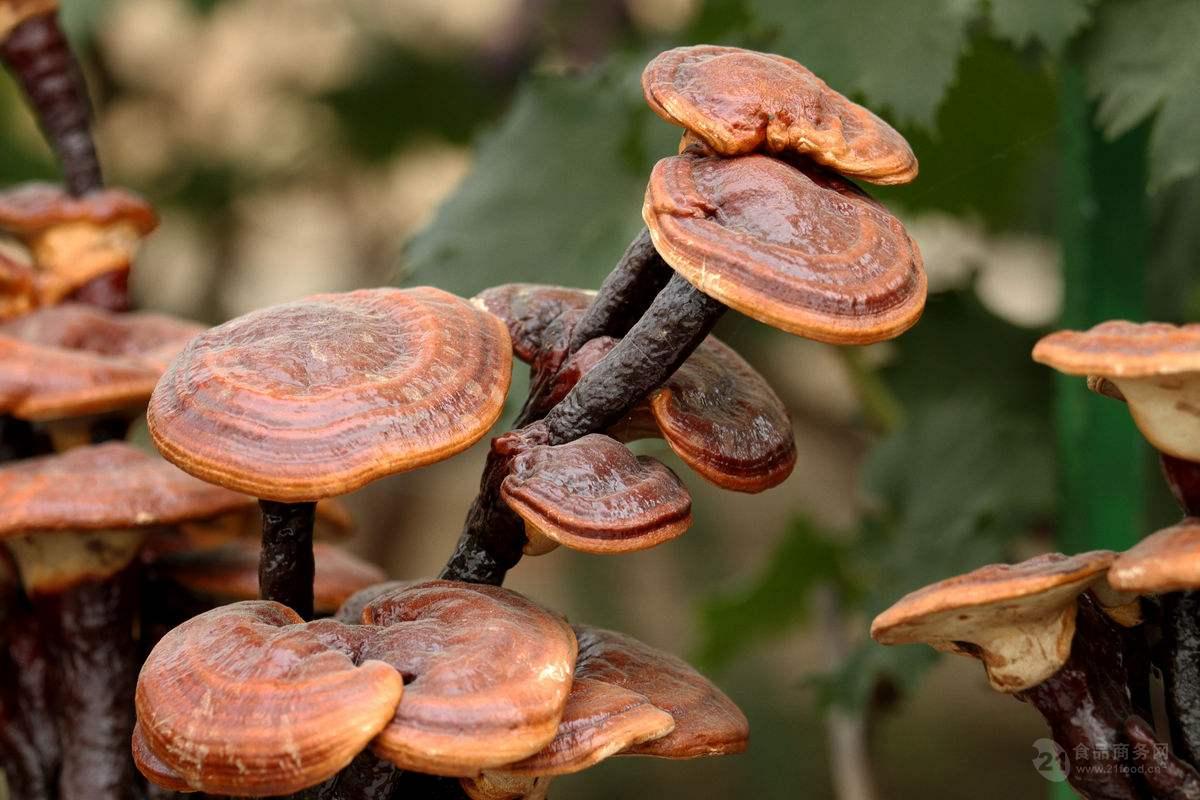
(183, 624)
(1085, 639)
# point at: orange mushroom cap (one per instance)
(594, 495)
(1165, 561)
(793, 247)
(487, 674)
(14, 12)
(319, 397)
(248, 700)
(528, 309)
(739, 101)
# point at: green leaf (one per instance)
(1142, 58)
(556, 191)
(775, 599)
(899, 56)
(1051, 23)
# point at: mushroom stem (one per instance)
(19, 439)
(1167, 776)
(89, 629)
(625, 294)
(1087, 702)
(1181, 670)
(1183, 477)
(671, 329)
(29, 749)
(40, 57)
(286, 566)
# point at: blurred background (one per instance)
(296, 146)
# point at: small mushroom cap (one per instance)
(230, 573)
(600, 720)
(739, 101)
(1017, 619)
(486, 671)
(1153, 366)
(798, 249)
(33, 208)
(496, 785)
(724, 420)
(594, 495)
(1165, 561)
(351, 610)
(707, 722)
(528, 309)
(14, 12)
(102, 487)
(319, 397)
(248, 700)
(332, 522)
(157, 771)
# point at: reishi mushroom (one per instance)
(319, 397)
(74, 524)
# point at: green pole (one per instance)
(1103, 230)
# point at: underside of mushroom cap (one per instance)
(739, 101)
(798, 249)
(32, 208)
(1165, 561)
(248, 700)
(319, 397)
(595, 495)
(487, 674)
(1017, 619)
(106, 486)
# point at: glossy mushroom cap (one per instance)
(594, 495)
(1018, 620)
(248, 700)
(1165, 561)
(75, 240)
(800, 250)
(1154, 367)
(319, 397)
(528, 309)
(739, 101)
(487, 674)
(332, 523)
(73, 361)
(230, 574)
(14, 12)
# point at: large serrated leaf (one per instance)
(1051, 23)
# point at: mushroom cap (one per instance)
(319, 397)
(248, 700)
(528, 309)
(102, 487)
(1165, 561)
(1017, 619)
(600, 720)
(18, 288)
(724, 420)
(73, 361)
(33, 208)
(793, 247)
(739, 101)
(14, 12)
(707, 722)
(486, 671)
(332, 522)
(231, 573)
(595, 495)
(157, 771)
(1152, 366)
(351, 611)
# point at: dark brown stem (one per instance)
(1181, 670)
(29, 750)
(625, 294)
(40, 57)
(1183, 477)
(19, 439)
(108, 291)
(90, 637)
(1168, 777)
(1086, 704)
(285, 568)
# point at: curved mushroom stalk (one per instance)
(1168, 777)
(84, 592)
(30, 755)
(1181, 670)
(33, 46)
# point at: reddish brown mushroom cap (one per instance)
(1017, 619)
(18, 292)
(14, 12)
(248, 700)
(594, 495)
(230, 573)
(319, 397)
(1165, 561)
(157, 771)
(707, 722)
(739, 101)
(102, 487)
(528, 309)
(800, 250)
(487, 674)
